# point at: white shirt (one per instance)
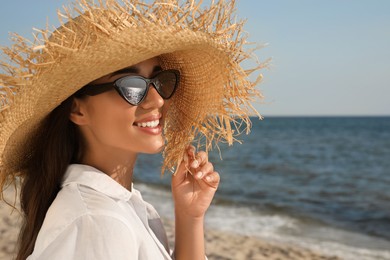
(94, 217)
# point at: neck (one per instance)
(117, 164)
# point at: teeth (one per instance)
(149, 124)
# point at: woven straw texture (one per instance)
(206, 44)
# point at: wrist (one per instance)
(185, 217)
(189, 232)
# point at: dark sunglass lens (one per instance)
(167, 83)
(132, 89)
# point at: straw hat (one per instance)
(206, 45)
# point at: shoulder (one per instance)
(79, 212)
(74, 201)
(87, 237)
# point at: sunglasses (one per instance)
(134, 89)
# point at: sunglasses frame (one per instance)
(93, 90)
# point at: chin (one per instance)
(153, 148)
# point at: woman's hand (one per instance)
(193, 188)
(194, 184)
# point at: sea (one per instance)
(321, 183)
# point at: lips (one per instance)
(150, 125)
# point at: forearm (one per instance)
(189, 241)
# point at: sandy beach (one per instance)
(219, 245)
(227, 246)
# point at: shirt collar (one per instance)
(95, 179)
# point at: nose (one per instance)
(152, 99)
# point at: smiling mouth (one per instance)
(150, 124)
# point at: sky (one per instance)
(329, 58)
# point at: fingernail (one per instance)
(208, 178)
(195, 164)
(191, 149)
(199, 175)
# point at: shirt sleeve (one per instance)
(93, 237)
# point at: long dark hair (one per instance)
(55, 147)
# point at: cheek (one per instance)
(110, 115)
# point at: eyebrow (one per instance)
(134, 70)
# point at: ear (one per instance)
(78, 113)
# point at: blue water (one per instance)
(331, 172)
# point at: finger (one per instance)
(211, 179)
(206, 168)
(195, 163)
(201, 158)
(182, 164)
(181, 169)
(191, 151)
(187, 155)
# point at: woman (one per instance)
(118, 80)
